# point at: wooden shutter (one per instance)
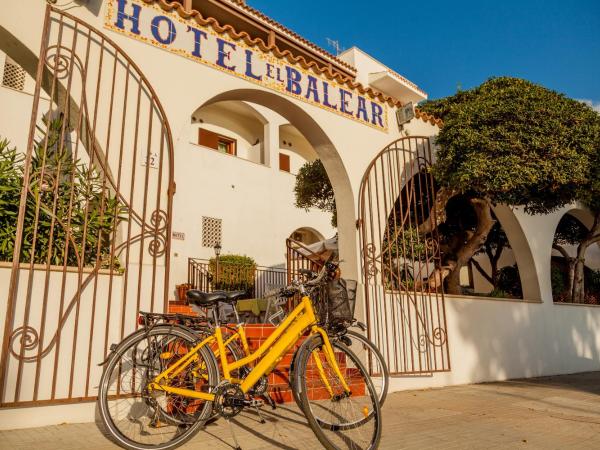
(208, 138)
(284, 162)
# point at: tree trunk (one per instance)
(438, 211)
(571, 269)
(485, 222)
(578, 291)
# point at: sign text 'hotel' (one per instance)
(152, 25)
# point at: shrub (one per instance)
(58, 185)
(509, 281)
(559, 281)
(236, 272)
(499, 293)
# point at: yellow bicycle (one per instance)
(163, 382)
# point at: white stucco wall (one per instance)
(489, 339)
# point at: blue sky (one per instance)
(441, 45)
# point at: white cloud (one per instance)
(595, 105)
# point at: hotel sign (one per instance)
(149, 23)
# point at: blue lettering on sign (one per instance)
(223, 54)
(161, 29)
(198, 35)
(344, 96)
(155, 28)
(376, 112)
(249, 66)
(293, 80)
(281, 80)
(312, 89)
(326, 96)
(134, 17)
(362, 109)
(270, 70)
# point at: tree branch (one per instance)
(562, 251)
(499, 251)
(437, 215)
(483, 273)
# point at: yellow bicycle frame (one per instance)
(285, 336)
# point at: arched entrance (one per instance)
(92, 235)
(325, 150)
(307, 235)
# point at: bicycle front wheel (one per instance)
(340, 419)
(371, 358)
(139, 419)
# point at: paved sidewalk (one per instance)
(545, 413)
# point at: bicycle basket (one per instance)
(340, 299)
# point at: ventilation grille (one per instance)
(13, 76)
(211, 231)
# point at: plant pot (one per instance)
(182, 291)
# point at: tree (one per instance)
(513, 142)
(569, 231)
(313, 189)
(589, 194)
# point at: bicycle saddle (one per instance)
(208, 299)
(205, 299)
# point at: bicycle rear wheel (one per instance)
(339, 419)
(138, 419)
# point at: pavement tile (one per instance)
(561, 412)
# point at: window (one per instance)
(211, 231)
(217, 141)
(13, 76)
(284, 162)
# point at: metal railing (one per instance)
(299, 256)
(93, 229)
(255, 280)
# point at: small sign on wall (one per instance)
(150, 159)
(178, 235)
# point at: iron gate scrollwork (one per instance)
(92, 240)
(401, 259)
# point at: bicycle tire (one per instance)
(384, 375)
(319, 425)
(130, 343)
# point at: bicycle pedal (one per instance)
(255, 403)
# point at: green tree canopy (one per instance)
(513, 142)
(313, 189)
(516, 142)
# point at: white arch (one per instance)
(521, 250)
(330, 157)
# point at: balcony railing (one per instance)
(255, 281)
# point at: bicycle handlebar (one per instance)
(298, 286)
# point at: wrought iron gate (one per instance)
(401, 259)
(92, 231)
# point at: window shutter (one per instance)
(284, 162)
(208, 139)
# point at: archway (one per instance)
(307, 235)
(328, 154)
(521, 251)
(575, 260)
